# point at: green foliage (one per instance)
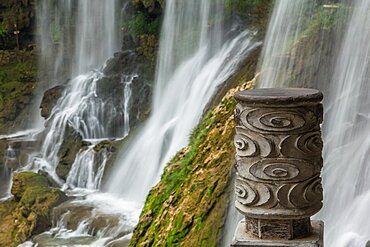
(141, 23)
(2, 29)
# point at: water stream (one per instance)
(346, 132)
(345, 82)
(190, 70)
(186, 80)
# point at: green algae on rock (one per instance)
(29, 213)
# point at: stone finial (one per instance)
(278, 153)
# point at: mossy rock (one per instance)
(30, 211)
(26, 180)
(17, 87)
(188, 206)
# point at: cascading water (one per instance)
(87, 169)
(190, 70)
(299, 48)
(87, 37)
(75, 36)
(346, 130)
(6, 173)
(346, 124)
(188, 75)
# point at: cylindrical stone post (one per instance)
(278, 162)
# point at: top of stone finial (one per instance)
(280, 96)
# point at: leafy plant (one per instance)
(140, 23)
(2, 29)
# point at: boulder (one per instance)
(50, 99)
(71, 145)
(30, 211)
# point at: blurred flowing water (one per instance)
(195, 59)
(346, 131)
(76, 36)
(188, 75)
(343, 75)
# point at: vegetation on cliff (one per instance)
(16, 19)
(188, 206)
(29, 213)
(18, 73)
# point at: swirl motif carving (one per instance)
(245, 146)
(255, 195)
(281, 121)
(251, 145)
(278, 152)
(285, 170)
(301, 195)
(301, 146)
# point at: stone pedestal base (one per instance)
(243, 239)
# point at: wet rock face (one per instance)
(127, 64)
(29, 212)
(72, 143)
(50, 99)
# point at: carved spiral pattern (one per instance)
(271, 120)
(303, 145)
(245, 146)
(285, 170)
(301, 195)
(249, 144)
(278, 152)
(310, 143)
(256, 196)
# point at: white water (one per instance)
(301, 43)
(82, 109)
(87, 169)
(89, 35)
(127, 81)
(347, 141)
(181, 92)
(288, 20)
(190, 69)
(76, 36)
(346, 123)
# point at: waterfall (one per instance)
(75, 36)
(78, 37)
(6, 173)
(87, 169)
(347, 144)
(196, 57)
(188, 75)
(287, 58)
(347, 118)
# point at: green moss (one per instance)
(30, 212)
(187, 207)
(141, 23)
(18, 74)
